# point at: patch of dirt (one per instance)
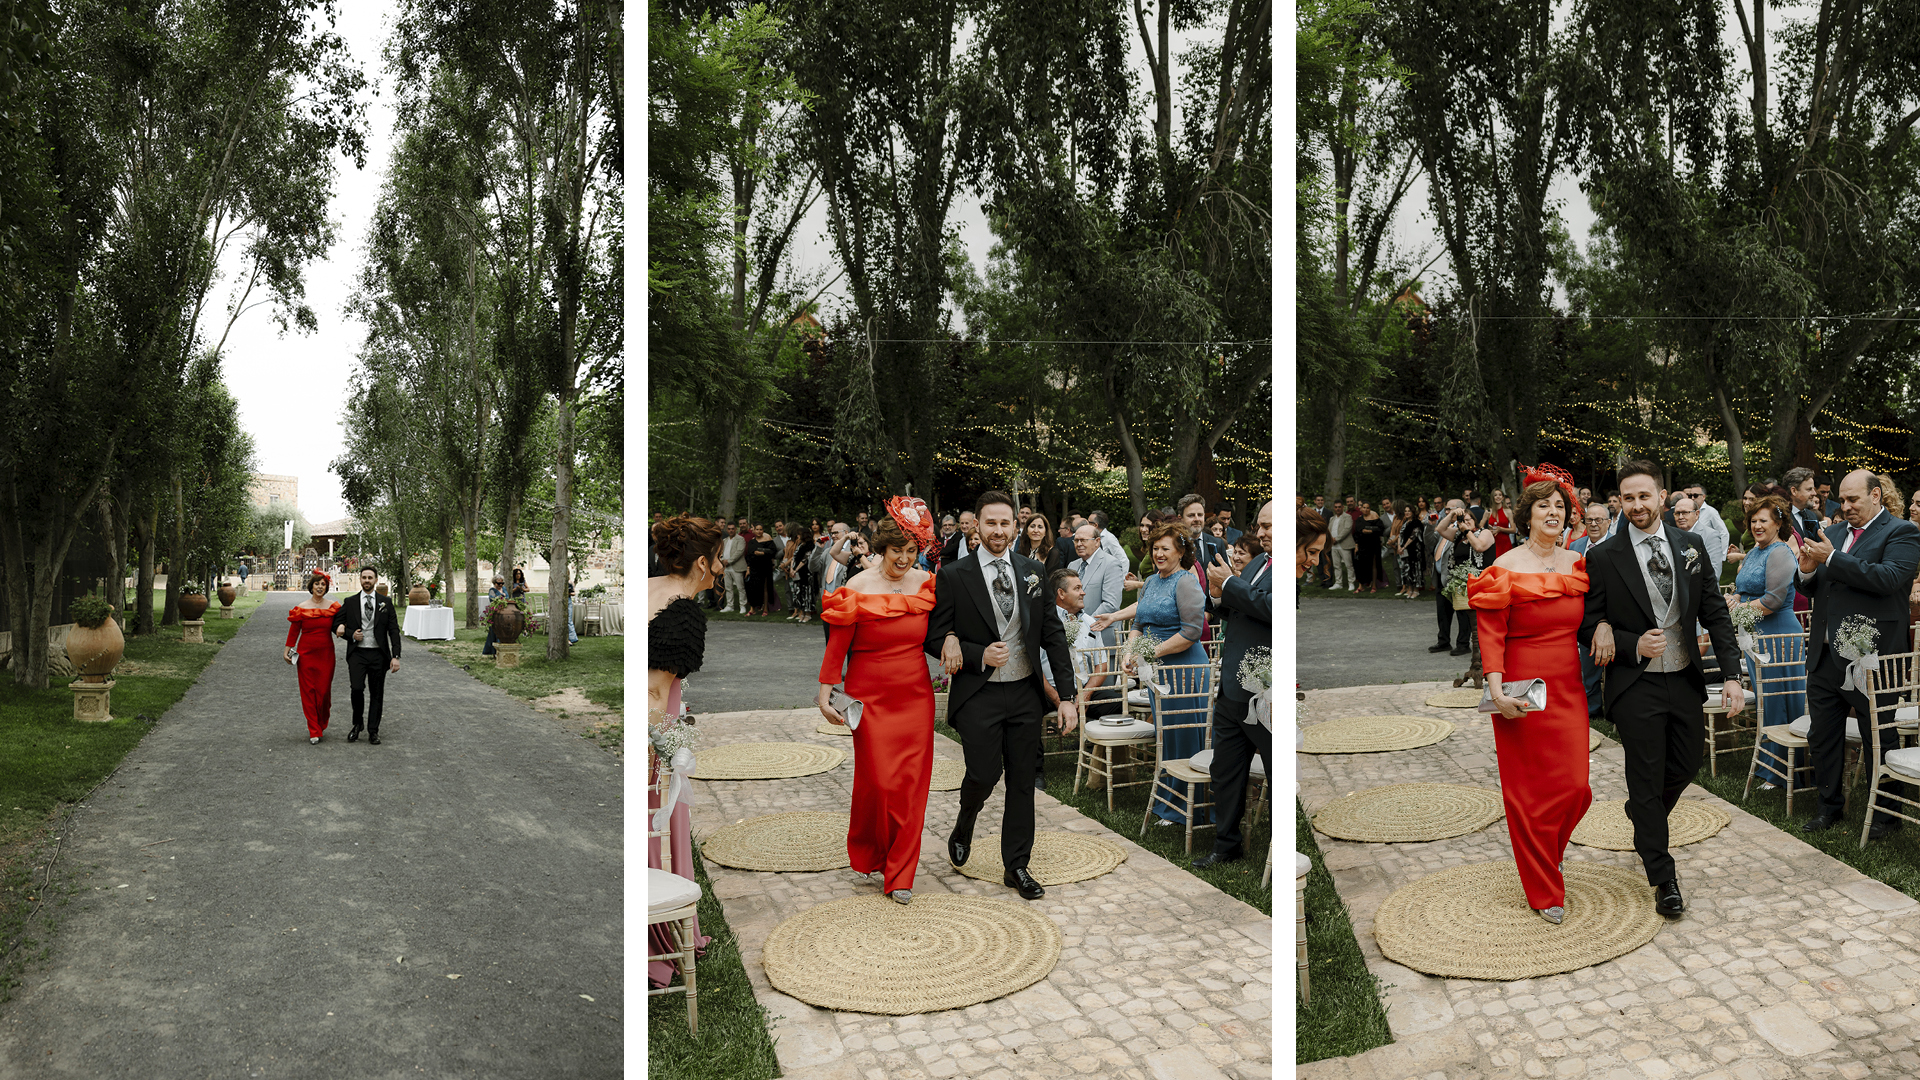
(571, 710)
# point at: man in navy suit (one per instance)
(1863, 565)
(1246, 599)
(372, 635)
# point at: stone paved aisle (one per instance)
(248, 904)
(1788, 962)
(1161, 975)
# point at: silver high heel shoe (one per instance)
(902, 896)
(1553, 914)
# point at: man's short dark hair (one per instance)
(1186, 501)
(1796, 476)
(1058, 580)
(1639, 468)
(1099, 517)
(990, 498)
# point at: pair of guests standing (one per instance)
(367, 624)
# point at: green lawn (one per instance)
(1342, 1015)
(733, 1043)
(49, 761)
(594, 666)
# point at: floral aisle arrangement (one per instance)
(1859, 641)
(1256, 675)
(1746, 620)
(672, 740)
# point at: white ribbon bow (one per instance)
(1857, 673)
(1261, 711)
(1751, 646)
(681, 770)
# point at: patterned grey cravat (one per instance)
(366, 617)
(1003, 588)
(1657, 566)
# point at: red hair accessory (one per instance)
(322, 575)
(1576, 516)
(913, 516)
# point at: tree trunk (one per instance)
(557, 576)
(147, 527)
(511, 542)
(176, 556)
(470, 533)
(1336, 451)
(730, 467)
(1136, 473)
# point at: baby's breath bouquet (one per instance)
(1256, 669)
(1142, 653)
(1073, 626)
(1858, 639)
(1746, 620)
(673, 738)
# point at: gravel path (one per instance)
(247, 904)
(1353, 642)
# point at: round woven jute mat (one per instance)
(1607, 826)
(1464, 698)
(766, 761)
(947, 774)
(1374, 734)
(800, 840)
(1058, 858)
(832, 729)
(869, 954)
(1473, 922)
(1410, 813)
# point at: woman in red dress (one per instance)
(1530, 603)
(312, 632)
(877, 629)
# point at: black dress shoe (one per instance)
(1214, 859)
(1819, 823)
(354, 735)
(960, 841)
(1020, 879)
(1460, 650)
(1882, 830)
(1442, 647)
(373, 740)
(1666, 899)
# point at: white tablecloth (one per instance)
(612, 617)
(428, 623)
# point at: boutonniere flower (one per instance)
(1033, 584)
(1693, 557)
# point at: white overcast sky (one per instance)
(290, 388)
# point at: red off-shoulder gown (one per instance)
(311, 637)
(1528, 630)
(880, 640)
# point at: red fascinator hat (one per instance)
(1576, 514)
(912, 515)
(322, 575)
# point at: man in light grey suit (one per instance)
(1100, 574)
(1109, 543)
(733, 556)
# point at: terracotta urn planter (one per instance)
(418, 595)
(192, 606)
(96, 650)
(508, 623)
(226, 595)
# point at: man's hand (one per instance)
(951, 658)
(1813, 554)
(1217, 575)
(1734, 695)
(1069, 717)
(393, 665)
(998, 654)
(1652, 643)
(357, 635)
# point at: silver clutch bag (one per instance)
(1533, 692)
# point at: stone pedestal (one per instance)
(506, 655)
(92, 701)
(191, 630)
(226, 611)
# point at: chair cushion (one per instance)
(1301, 865)
(1905, 762)
(1131, 731)
(1803, 727)
(1204, 760)
(1183, 769)
(1907, 717)
(668, 891)
(1139, 697)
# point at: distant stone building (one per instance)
(268, 489)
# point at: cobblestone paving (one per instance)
(1161, 976)
(1788, 963)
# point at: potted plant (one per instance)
(95, 644)
(226, 594)
(507, 620)
(1456, 586)
(419, 593)
(193, 600)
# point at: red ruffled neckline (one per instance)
(1498, 587)
(844, 607)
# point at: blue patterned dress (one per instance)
(1751, 584)
(1158, 615)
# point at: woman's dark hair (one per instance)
(519, 576)
(794, 530)
(1307, 526)
(1021, 543)
(887, 533)
(311, 578)
(1177, 532)
(1775, 503)
(1539, 491)
(681, 540)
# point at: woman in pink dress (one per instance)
(689, 551)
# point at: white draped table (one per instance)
(428, 623)
(612, 617)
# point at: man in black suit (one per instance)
(1862, 566)
(992, 618)
(1806, 500)
(1649, 584)
(1247, 600)
(1207, 547)
(373, 650)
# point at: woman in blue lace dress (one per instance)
(1765, 584)
(1171, 610)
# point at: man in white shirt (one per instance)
(1102, 577)
(733, 555)
(1341, 543)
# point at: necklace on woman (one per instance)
(899, 583)
(1546, 560)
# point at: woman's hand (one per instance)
(1511, 708)
(827, 710)
(1101, 622)
(289, 654)
(1132, 582)
(1602, 645)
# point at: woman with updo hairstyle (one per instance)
(1765, 584)
(689, 552)
(310, 651)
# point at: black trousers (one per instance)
(1664, 734)
(1235, 742)
(999, 728)
(366, 670)
(1827, 704)
(1443, 609)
